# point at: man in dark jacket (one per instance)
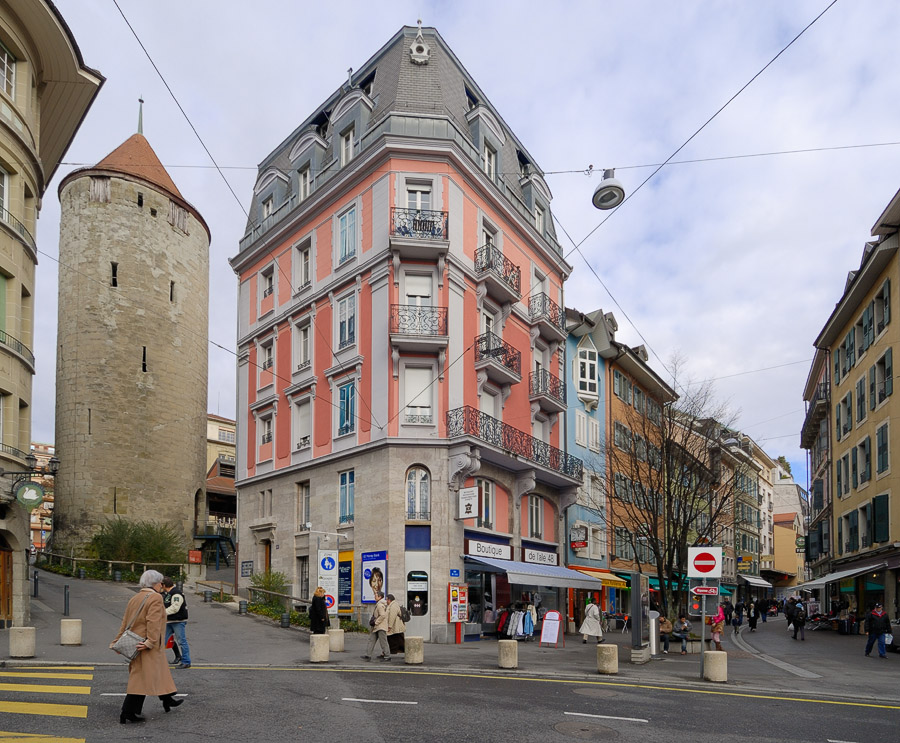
(176, 616)
(728, 608)
(877, 624)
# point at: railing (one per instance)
(272, 598)
(413, 319)
(267, 364)
(814, 413)
(420, 223)
(347, 340)
(12, 451)
(489, 258)
(346, 518)
(212, 585)
(304, 365)
(469, 421)
(17, 346)
(303, 442)
(268, 291)
(345, 429)
(18, 227)
(542, 382)
(418, 515)
(266, 438)
(419, 418)
(490, 346)
(541, 307)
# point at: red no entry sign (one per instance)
(705, 562)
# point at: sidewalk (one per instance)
(765, 661)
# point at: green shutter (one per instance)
(837, 364)
(837, 420)
(840, 544)
(854, 530)
(849, 420)
(882, 518)
(888, 372)
(886, 298)
(854, 478)
(872, 396)
(867, 462)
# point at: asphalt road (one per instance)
(401, 705)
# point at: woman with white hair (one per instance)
(148, 673)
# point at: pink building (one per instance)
(401, 338)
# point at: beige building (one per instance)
(789, 562)
(220, 437)
(45, 92)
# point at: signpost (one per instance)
(704, 562)
(328, 578)
(705, 590)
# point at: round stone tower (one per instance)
(131, 363)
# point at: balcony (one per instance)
(547, 390)
(501, 361)
(548, 316)
(16, 345)
(501, 276)
(513, 449)
(19, 229)
(419, 233)
(418, 515)
(818, 408)
(419, 328)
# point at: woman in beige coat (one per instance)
(395, 626)
(148, 673)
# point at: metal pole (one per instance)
(66, 600)
(35, 584)
(702, 630)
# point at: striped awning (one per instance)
(608, 578)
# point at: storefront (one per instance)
(848, 594)
(612, 594)
(757, 588)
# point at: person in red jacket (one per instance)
(877, 625)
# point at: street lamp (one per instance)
(29, 493)
(610, 193)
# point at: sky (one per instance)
(732, 264)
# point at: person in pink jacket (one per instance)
(717, 624)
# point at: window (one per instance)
(861, 400)
(303, 424)
(622, 436)
(303, 515)
(418, 493)
(596, 542)
(178, 217)
(624, 548)
(268, 282)
(303, 347)
(346, 480)
(304, 265)
(586, 373)
(622, 487)
(640, 448)
(654, 411)
(8, 71)
(581, 435)
(418, 197)
(347, 321)
(539, 219)
(881, 379)
(267, 207)
(303, 572)
(265, 425)
(226, 435)
(865, 460)
(654, 457)
(347, 409)
(113, 273)
(347, 233)
(845, 465)
(347, 146)
(268, 358)
(881, 449)
(143, 358)
(594, 434)
(881, 519)
(303, 184)
(881, 310)
(536, 517)
(844, 416)
(485, 503)
(490, 161)
(417, 384)
(622, 387)
(638, 399)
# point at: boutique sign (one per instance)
(488, 549)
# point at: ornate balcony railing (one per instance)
(18, 227)
(469, 421)
(414, 319)
(420, 223)
(266, 438)
(490, 346)
(544, 383)
(490, 258)
(541, 307)
(346, 518)
(303, 442)
(418, 416)
(418, 515)
(17, 345)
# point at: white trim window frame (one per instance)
(266, 282)
(303, 345)
(304, 183)
(489, 160)
(347, 229)
(345, 317)
(4, 195)
(266, 430)
(346, 143)
(535, 516)
(418, 493)
(303, 270)
(346, 409)
(581, 428)
(303, 509)
(302, 424)
(8, 71)
(418, 394)
(486, 503)
(346, 496)
(594, 434)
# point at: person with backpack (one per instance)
(877, 625)
(398, 616)
(799, 620)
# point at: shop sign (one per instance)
(578, 534)
(539, 556)
(800, 543)
(488, 549)
(457, 603)
(468, 503)
(195, 557)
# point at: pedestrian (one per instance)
(737, 618)
(728, 609)
(395, 626)
(764, 609)
(170, 639)
(318, 612)
(148, 673)
(752, 615)
(717, 625)
(176, 617)
(665, 629)
(877, 624)
(790, 607)
(682, 631)
(378, 624)
(798, 619)
(590, 627)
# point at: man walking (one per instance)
(379, 625)
(176, 616)
(799, 620)
(877, 624)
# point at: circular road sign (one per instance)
(705, 562)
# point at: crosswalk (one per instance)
(19, 686)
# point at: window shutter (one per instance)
(881, 518)
(854, 468)
(849, 420)
(840, 541)
(837, 419)
(888, 372)
(867, 461)
(854, 530)
(872, 388)
(886, 297)
(818, 495)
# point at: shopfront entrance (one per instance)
(6, 572)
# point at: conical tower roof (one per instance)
(136, 157)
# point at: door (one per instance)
(6, 558)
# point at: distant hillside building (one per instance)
(131, 367)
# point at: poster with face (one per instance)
(374, 573)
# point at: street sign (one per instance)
(705, 590)
(704, 562)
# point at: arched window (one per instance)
(418, 493)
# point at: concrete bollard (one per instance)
(608, 659)
(21, 642)
(336, 640)
(318, 648)
(715, 666)
(508, 651)
(414, 654)
(70, 632)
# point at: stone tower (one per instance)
(131, 365)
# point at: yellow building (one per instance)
(220, 438)
(790, 558)
(45, 93)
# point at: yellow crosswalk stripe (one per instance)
(10, 737)
(46, 688)
(49, 668)
(42, 675)
(38, 708)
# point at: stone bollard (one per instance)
(508, 651)
(608, 659)
(414, 654)
(21, 642)
(70, 632)
(715, 666)
(318, 648)
(336, 640)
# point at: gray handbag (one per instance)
(127, 643)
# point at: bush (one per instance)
(138, 541)
(274, 582)
(299, 619)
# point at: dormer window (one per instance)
(490, 161)
(347, 146)
(267, 207)
(539, 219)
(303, 184)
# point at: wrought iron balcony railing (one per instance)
(414, 319)
(348, 340)
(490, 346)
(421, 223)
(303, 442)
(416, 415)
(266, 438)
(418, 515)
(542, 382)
(17, 345)
(469, 421)
(541, 307)
(346, 518)
(490, 259)
(18, 227)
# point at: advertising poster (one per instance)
(328, 577)
(374, 575)
(345, 581)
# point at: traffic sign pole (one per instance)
(702, 633)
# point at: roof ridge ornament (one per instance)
(419, 52)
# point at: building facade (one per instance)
(815, 437)
(45, 93)
(400, 340)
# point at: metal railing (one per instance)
(420, 223)
(347, 340)
(12, 451)
(17, 346)
(346, 518)
(414, 319)
(285, 600)
(541, 307)
(469, 421)
(419, 418)
(542, 382)
(303, 442)
(492, 347)
(266, 438)
(490, 259)
(418, 515)
(18, 227)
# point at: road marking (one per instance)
(838, 741)
(122, 694)
(46, 688)
(54, 710)
(35, 738)
(41, 675)
(606, 717)
(50, 668)
(783, 665)
(375, 701)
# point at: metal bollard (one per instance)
(66, 600)
(117, 575)
(81, 573)
(35, 584)
(242, 607)
(285, 620)
(207, 597)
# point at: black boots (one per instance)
(170, 701)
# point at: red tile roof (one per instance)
(136, 157)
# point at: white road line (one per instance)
(375, 701)
(117, 694)
(838, 741)
(606, 717)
